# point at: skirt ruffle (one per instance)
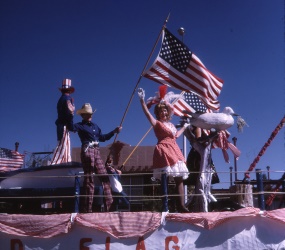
(177, 170)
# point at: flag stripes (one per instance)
(180, 105)
(62, 151)
(10, 160)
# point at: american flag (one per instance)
(178, 67)
(191, 103)
(10, 160)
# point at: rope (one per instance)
(143, 197)
(263, 149)
(137, 146)
(273, 195)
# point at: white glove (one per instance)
(186, 125)
(141, 93)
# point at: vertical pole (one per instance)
(17, 146)
(235, 160)
(164, 191)
(76, 194)
(282, 204)
(261, 201)
(184, 147)
(231, 176)
(181, 32)
(268, 174)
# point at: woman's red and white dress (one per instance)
(167, 156)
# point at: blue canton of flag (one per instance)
(175, 52)
(194, 101)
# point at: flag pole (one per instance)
(136, 146)
(150, 55)
(181, 32)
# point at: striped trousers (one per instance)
(92, 163)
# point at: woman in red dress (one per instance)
(168, 159)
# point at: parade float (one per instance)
(40, 206)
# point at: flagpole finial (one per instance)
(17, 146)
(181, 31)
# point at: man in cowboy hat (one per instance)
(90, 135)
(64, 123)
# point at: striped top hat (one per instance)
(66, 85)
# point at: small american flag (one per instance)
(10, 160)
(191, 103)
(178, 67)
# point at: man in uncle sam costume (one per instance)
(64, 123)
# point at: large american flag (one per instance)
(178, 67)
(10, 160)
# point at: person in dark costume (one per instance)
(64, 123)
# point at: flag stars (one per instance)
(195, 102)
(175, 53)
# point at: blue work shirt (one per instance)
(89, 131)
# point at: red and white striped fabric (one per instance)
(129, 224)
(39, 226)
(213, 219)
(62, 151)
(223, 143)
(121, 225)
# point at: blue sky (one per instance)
(103, 47)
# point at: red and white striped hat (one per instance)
(66, 84)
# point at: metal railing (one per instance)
(141, 193)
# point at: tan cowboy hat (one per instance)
(86, 109)
(66, 84)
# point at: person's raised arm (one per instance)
(141, 94)
(180, 131)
